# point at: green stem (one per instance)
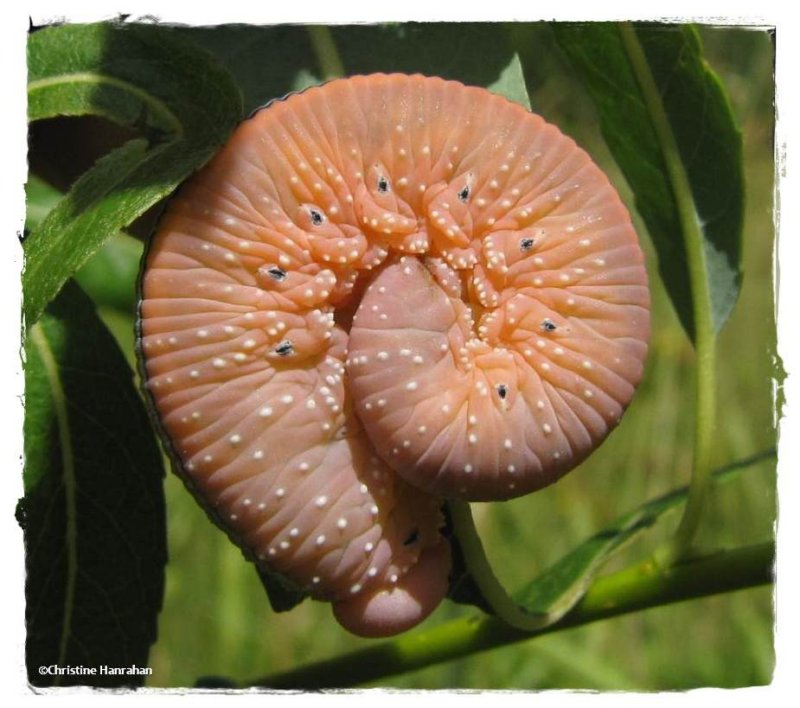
(644, 585)
(482, 574)
(704, 334)
(330, 62)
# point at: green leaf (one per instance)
(270, 62)
(549, 596)
(110, 276)
(511, 83)
(479, 54)
(93, 511)
(267, 62)
(700, 121)
(140, 76)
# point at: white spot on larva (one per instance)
(218, 363)
(320, 539)
(472, 438)
(235, 439)
(311, 404)
(265, 412)
(258, 455)
(280, 492)
(321, 501)
(287, 398)
(304, 466)
(341, 523)
(202, 333)
(194, 373)
(547, 429)
(585, 242)
(468, 468)
(411, 386)
(507, 444)
(587, 393)
(356, 588)
(586, 364)
(368, 547)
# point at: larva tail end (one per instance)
(391, 610)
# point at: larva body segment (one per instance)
(381, 292)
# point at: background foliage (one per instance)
(215, 619)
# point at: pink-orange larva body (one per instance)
(385, 291)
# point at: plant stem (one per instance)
(330, 63)
(641, 586)
(704, 333)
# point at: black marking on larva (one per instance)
(383, 185)
(548, 325)
(502, 391)
(412, 538)
(526, 244)
(317, 217)
(285, 348)
(463, 195)
(277, 273)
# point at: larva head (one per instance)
(385, 291)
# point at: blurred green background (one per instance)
(216, 620)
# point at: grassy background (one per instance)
(216, 620)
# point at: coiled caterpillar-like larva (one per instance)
(382, 292)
